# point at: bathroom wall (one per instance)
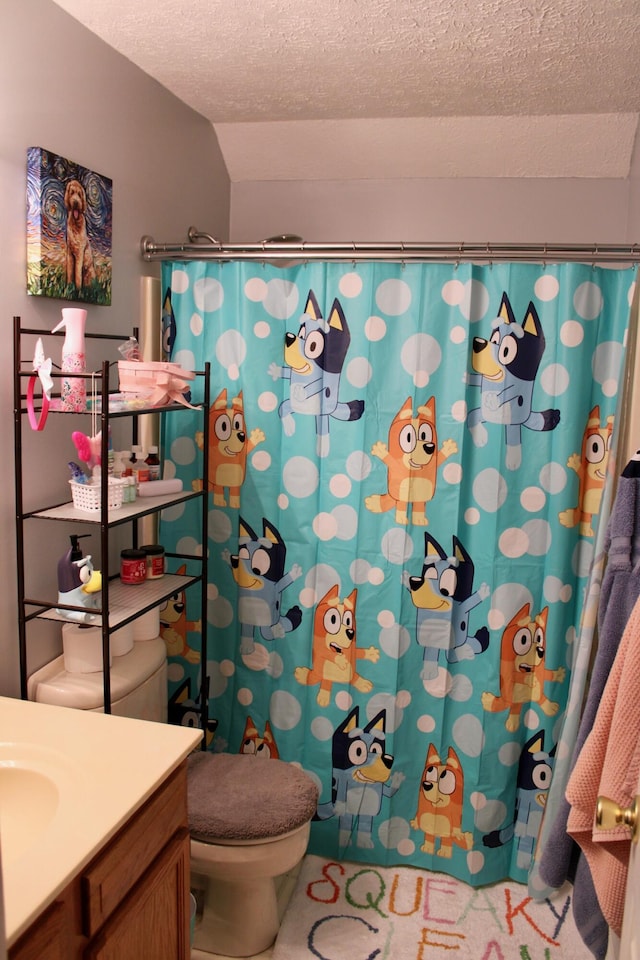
(63, 89)
(498, 210)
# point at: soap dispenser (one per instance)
(79, 585)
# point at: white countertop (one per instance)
(103, 767)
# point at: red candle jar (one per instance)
(133, 566)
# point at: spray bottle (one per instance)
(79, 585)
(74, 392)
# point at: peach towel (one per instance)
(608, 766)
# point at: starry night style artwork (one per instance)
(69, 225)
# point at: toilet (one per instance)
(249, 821)
(138, 684)
(249, 818)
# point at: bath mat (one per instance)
(349, 911)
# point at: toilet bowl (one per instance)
(249, 821)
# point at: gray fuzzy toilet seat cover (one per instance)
(237, 797)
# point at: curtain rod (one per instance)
(202, 246)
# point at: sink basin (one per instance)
(33, 784)
(28, 804)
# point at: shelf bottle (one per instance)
(74, 392)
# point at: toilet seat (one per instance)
(235, 797)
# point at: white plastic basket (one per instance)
(87, 496)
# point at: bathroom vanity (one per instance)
(94, 834)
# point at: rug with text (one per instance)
(347, 911)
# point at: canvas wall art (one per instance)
(69, 225)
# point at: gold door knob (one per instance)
(610, 815)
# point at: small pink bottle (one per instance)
(74, 391)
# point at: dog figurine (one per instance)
(444, 597)
(439, 813)
(314, 357)
(334, 652)
(505, 368)
(412, 459)
(361, 778)
(174, 625)
(259, 570)
(229, 447)
(522, 668)
(535, 768)
(254, 745)
(591, 466)
(80, 269)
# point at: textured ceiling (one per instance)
(343, 89)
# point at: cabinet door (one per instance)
(153, 921)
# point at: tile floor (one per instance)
(284, 887)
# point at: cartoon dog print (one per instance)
(259, 570)
(229, 447)
(361, 778)
(314, 357)
(184, 710)
(444, 597)
(168, 325)
(505, 368)
(255, 745)
(440, 800)
(535, 769)
(334, 651)
(412, 459)
(591, 466)
(174, 625)
(522, 668)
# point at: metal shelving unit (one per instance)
(120, 604)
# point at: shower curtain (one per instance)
(406, 474)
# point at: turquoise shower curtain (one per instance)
(407, 465)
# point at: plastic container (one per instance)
(133, 566)
(155, 560)
(119, 468)
(129, 489)
(153, 463)
(73, 391)
(139, 468)
(87, 496)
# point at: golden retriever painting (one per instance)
(69, 221)
(79, 262)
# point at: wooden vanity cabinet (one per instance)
(131, 902)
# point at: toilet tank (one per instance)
(138, 684)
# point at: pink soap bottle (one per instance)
(74, 392)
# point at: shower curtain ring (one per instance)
(488, 251)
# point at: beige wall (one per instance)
(63, 89)
(499, 210)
